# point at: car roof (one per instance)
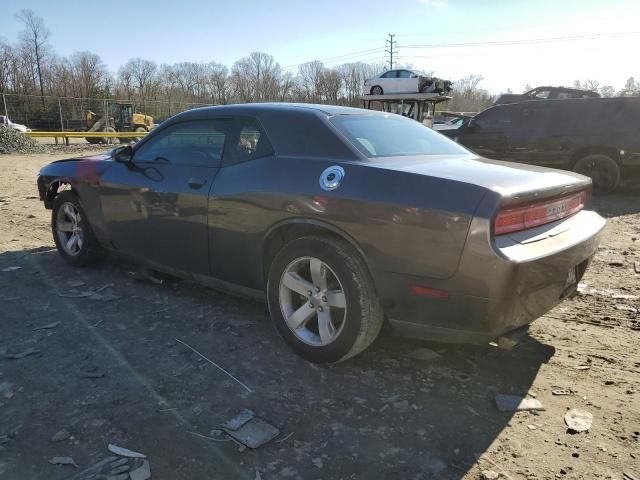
(568, 101)
(260, 109)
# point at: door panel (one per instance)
(156, 206)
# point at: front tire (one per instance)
(377, 90)
(72, 233)
(603, 170)
(322, 299)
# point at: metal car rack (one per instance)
(419, 106)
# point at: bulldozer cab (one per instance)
(122, 115)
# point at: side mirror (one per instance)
(123, 154)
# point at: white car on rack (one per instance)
(405, 81)
(6, 121)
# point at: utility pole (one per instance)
(391, 43)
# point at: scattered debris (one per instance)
(63, 461)
(424, 354)
(584, 289)
(48, 326)
(211, 437)
(627, 308)
(480, 456)
(60, 436)
(582, 367)
(240, 419)
(124, 452)
(6, 390)
(215, 365)
(141, 473)
(317, 462)
(10, 269)
(628, 475)
(616, 263)
(109, 468)
(636, 267)
(285, 438)
(19, 355)
(489, 475)
(578, 420)
(472, 410)
(249, 429)
(562, 391)
(75, 283)
(515, 403)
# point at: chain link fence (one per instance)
(70, 114)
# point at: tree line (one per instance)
(30, 66)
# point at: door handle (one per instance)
(196, 183)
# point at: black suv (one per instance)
(546, 93)
(598, 137)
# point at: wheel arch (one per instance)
(54, 188)
(595, 150)
(281, 233)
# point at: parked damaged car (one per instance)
(597, 137)
(338, 218)
(405, 81)
(546, 93)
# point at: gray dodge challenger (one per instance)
(339, 218)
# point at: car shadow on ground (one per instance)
(114, 370)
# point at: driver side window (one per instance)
(196, 143)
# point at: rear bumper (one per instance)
(501, 284)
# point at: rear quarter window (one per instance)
(304, 134)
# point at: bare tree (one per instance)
(89, 73)
(468, 96)
(591, 85)
(310, 78)
(139, 74)
(35, 36)
(218, 83)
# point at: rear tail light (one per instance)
(523, 217)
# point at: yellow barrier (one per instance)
(67, 135)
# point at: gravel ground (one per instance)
(112, 368)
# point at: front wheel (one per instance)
(322, 299)
(603, 170)
(72, 233)
(377, 90)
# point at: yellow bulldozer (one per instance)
(121, 118)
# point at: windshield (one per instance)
(390, 135)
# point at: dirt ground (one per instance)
(111, 368)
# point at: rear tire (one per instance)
(69, 220)
(603, 170)
(345, 291)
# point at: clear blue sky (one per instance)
(298, 31)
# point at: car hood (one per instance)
(511, 180)
(98, 157)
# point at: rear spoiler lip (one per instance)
(556, 191)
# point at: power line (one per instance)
(344, 56)
(522, 41)
(391, 43)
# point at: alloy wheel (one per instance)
(69, 229)
(312, 301)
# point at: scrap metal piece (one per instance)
(254, 433)
(515, 403)
(239, 420)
